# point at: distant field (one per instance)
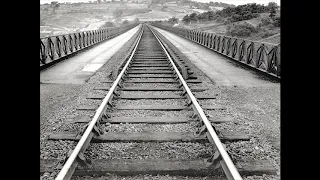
(70, 17)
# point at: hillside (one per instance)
(269, 33)
(89, 16)
(80, 17)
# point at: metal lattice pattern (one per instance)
(262, 56)
(55, 47)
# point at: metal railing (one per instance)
(264, 57)
(56, 47)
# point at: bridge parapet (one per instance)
(259, 55)
(57, 47)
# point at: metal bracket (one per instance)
(194, 116)
(119, 85)
(214, 160)
(189, 103)
(105, 116)
(201, 131)
(83, 161)
(183, 93)
(63, 161)
(96, 130)
(110, 104)
(116, 93)
(81, 131)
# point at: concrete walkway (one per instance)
(81, 67)
(221, 70)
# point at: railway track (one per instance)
(153, 84)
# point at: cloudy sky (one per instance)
(235, 2)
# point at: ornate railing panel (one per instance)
(262, 56)
(55, 47)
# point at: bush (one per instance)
(276, 22)
(241, 30)
(107, 24)
(125, 22)
(173, 20)
(266, 21)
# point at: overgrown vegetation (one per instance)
(251, 21)
(107, 24)
(233, 14)
(241, 30)
(173, 20)
(117, 14)
(125, 22)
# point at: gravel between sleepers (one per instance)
(148, 177)
(149, 150)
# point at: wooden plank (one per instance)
(150, 76)
(95, 96)
(213, 107)
(150, 68)
(149, 65)
(150, 72)
(152, 107)
(150, 62)
(151, 88)
(106, 88)
(153, 64)
(149, 137)
(152, 81)
(173, 167)
(87, 107)
(150, 120)
(151, 97)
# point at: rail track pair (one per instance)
(152, 61)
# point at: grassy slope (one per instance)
(70, 17)
(220, 28)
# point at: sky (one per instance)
(235, 2)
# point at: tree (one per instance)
(55, 5)
(193, 17)
(272, 6)
(173, 20)
(136, 20)
(117, 14)
(186, 19)
(107, 24)
(125, 22)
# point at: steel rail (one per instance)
(66, 170)
(227, 164)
